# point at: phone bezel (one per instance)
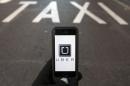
(65, 31)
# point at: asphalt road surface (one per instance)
(104, 39)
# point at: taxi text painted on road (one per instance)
(51, 12)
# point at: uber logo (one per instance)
(64, 50)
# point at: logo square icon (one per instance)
(64, 50)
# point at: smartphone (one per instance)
(65, 51)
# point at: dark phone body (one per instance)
(65, 31)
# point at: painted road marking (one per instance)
(25, 4)
(54, 15)
(125, 6)
(112, 14)
(83, 11)
(4, 1)
(51, 12)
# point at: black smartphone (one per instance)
(65, 51)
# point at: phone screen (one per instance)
(65, 53)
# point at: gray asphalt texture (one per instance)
(104, 50)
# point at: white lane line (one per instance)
(4, 1)
(125, 6)
(83, 10)
(117, 18)
(25, 4)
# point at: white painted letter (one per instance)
(4, 1)
(83, 11)
(52, 8)
(25, 4)
(113, 14)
